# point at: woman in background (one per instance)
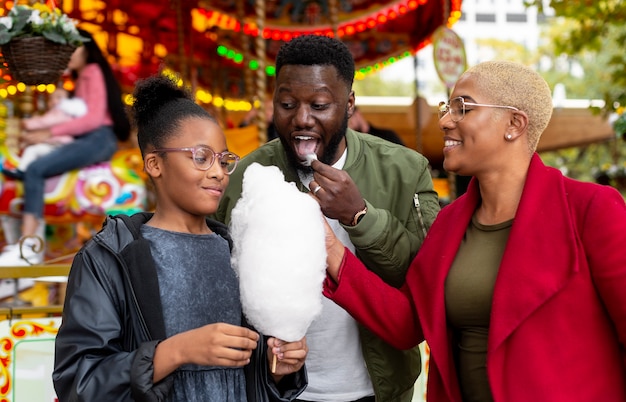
(96, 135)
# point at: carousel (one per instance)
(224, 50)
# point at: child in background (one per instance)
(62, 108)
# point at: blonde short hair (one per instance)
(514, 84)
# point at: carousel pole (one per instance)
(452, 178)
(182, 58)
(245, 44)
(261, 79)
(333, 15)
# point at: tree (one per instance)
(595, 32)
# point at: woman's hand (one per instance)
(290, 356)
(335, 251)
(35, 136)
(218, 344)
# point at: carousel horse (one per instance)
(78, 197)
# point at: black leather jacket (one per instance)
(108, 357)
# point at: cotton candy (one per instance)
(279, 253)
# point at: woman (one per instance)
(96, 135)
(519, 287)
(152, 310)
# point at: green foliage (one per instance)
(39, 20)
(375, 85)
(595, 28)
(601, 162)
(619, 126)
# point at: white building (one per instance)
(505, 20)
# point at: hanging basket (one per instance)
(36, 60)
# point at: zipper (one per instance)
(418, 208)
(142, 321)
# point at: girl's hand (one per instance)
(218, 344)
(290, 356)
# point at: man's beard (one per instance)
(330, 150)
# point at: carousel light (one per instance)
(40, 88)
(4, 93)
(68, 86)
(50, 88)
(350, 28)
(21, 87)
(218, 101)
(160, 50)
(238, 58)
(11, 90)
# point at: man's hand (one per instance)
(339, 197)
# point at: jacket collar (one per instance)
(539, 257)
(138, 268)
(541, 253)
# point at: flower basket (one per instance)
(36, 60)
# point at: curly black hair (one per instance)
(158, 109)
(317, 50)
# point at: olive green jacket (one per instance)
(402, 204)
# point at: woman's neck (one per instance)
(500, 196)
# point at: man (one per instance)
(377, 196)
(358, 122)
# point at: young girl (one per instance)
(152, 310)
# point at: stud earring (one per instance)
(508, 137)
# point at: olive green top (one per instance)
(469, 293)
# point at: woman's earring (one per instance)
(509, 136)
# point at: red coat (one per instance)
(558, 319)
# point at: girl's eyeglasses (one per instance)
(204, 157)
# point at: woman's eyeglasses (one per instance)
(457, 106)
(204, 157)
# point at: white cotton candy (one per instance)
(309, 159)
(279, 253)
